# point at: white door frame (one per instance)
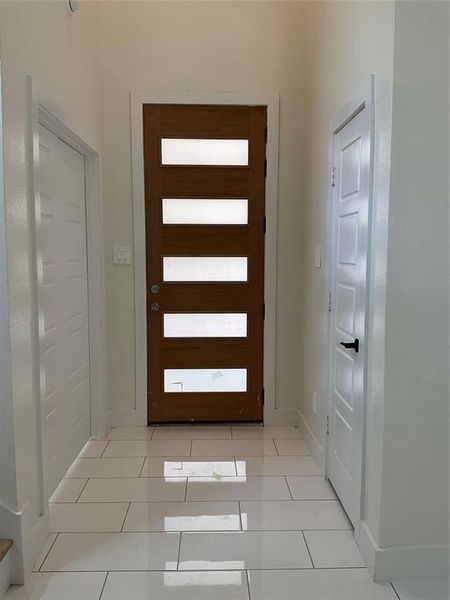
(138, 99)
(364, 101)
(40, 115)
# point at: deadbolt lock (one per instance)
(155, 288)
(155, 306)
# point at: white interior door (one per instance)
(348, 317)
(63, 306)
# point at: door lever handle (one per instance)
(354, 345)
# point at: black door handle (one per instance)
(354, 345)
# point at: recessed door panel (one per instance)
(344, 365)
(350, 168)
(348, 239)
(345, 307)
(205, 205)
(342, 445)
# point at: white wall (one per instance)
(8, 489)
(347, 42)
(405, 513)
(60, 52)
(415, 486)
(209, 47)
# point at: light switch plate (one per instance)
(122, 255)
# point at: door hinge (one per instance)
(264, 224)
(265, 135)
(327, 430)
(333, 176)
(329, 302)
(265, 167)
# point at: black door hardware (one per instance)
(354, 345)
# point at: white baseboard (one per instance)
(317, 449)
(367, 546)
(285, 417)
(11, 523)
(402, 562)
(293, 416)
(127, 417)
(34, 535)
(41, 531)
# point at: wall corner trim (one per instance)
(402, 562)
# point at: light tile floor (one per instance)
(198, 513)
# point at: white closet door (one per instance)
(350, 223)
(63, 306)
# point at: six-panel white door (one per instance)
(63, 306)
(348, 318)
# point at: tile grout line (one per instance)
(247, 577)
(210, 502)
(287, 483)
(276, 448)
(125, 517)
(179, 551)
(309, 551)
(240, 515)
(186, 489)
(229, 457)
(216, 570)
(190, 454)
(271, 530)
(279, 475)
(49, 550)
(142, 468)
(79, 495)
(104, 449)
(395, 591)
(103, 586)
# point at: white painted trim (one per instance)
(402, 562)
(12, 529)
(138, 99)
(344, 116)
(124, 417)
(10, 516)
(40, 115)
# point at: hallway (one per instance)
(192, 512)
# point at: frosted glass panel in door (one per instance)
(205, 268)
(177, 211)
(185, 325)
(205, 380)
(176, 151)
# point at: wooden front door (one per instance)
(205, 206)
